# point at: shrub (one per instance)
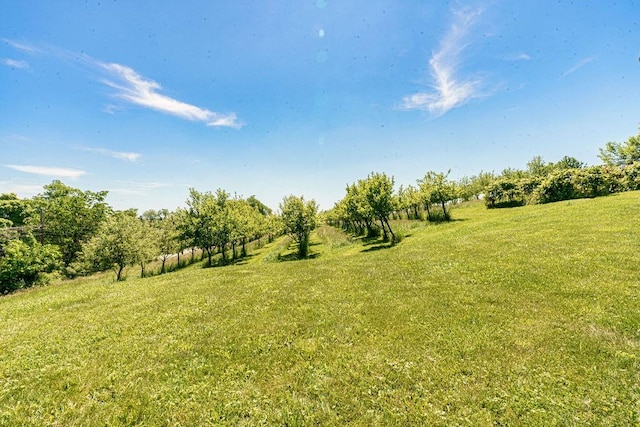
(25, 264)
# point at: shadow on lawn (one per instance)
(378, 247)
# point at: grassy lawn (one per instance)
(523, 316)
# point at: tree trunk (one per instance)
(393, 236)
(303, 246)
(119, 273)
(244, 247)
(234, 253)
(444, 211)
(385, 237)
(426, 205)
(164, 260)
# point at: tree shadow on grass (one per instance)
(378, 247)
(294, 257)
(242, 260)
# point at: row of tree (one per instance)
(370, 202)
(74, 232)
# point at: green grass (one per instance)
(524, 316)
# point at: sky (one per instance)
(147, 99)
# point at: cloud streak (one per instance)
(120, 155)
(132, 87)
(47, 171)
(14, 63)
(449, 89)
(576, 67)
(25, 47)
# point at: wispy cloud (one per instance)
(47, 171)
(576, 67)
(517, 57)
(22, 190)
(14, 63)
(138, 188)
(135, 89)
(25, 47)
(120, 155)
(132, 87)
(449, 89)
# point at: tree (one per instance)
(358, 210)
(14, 210)
(568, 162)
(378, 192)
(26, 263)
(119, 242)
(538, 167)
(619, 154)
(148, 244)
(71, 217)
(299, 218)
(438, 189)
(168, 238)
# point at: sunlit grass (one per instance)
(525, 316)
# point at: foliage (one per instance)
(619, 154)
(168, 238)
(299, 218)
(437, 189)
(14, 210)
(378, 192)
(71, 217)
(119, 242)
(26, 263)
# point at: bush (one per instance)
(26, 264)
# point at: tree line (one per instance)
(70, 232)
(67, 231)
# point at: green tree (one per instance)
(14, 210)
(118, 243)
(568, 162)
(438, 189)
(378, 192)
(71, 217)
(26, 263)
(149, 235)
(169, 242)
(299, 218)
(619, 154)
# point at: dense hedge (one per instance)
(564, 184)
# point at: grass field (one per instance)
(523, 316)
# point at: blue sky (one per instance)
(269, 98)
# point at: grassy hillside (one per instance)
(527, 316)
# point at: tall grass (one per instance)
(526, 316)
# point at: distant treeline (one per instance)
(66, 231)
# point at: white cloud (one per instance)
(13, 63)
(138, 188)
(517, 57)
(48, 171)
(22, 190)
(576, 67)
(25, 47)
(449, 89)
(132, 87)
(120, 155)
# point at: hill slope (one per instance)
(528, 316)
